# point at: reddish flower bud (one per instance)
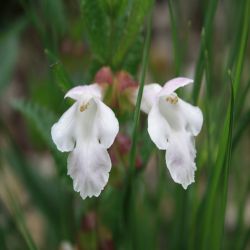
(89, 221)
(125, 81)
(78, 49)
(112, 155)
(124, 143)
(107, 244)
(138, 162)
(66, 46)
(104, 75)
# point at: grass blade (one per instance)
(19, 217)
(128, 193)
(97, 27)
(205, 45)
(139, 11)
(243, 45)
(43, 119)
(61, 77)
(175, 38)
(221, 170)
(140, 92)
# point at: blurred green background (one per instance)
(49, 46)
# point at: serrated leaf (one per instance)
(54, 14)
(97, 27)
(43, 119)
(62, 79)
(138, 11)
(133, 59)
(9, 48)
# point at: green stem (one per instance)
(205, 44)
(139, 97)
(19, 218)
(128, 193)
(243, 44)
(177, 56)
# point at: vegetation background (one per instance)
(46, 47)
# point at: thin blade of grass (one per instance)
(43, 120)
(175, 38)
(61, 76)
(221, 168)
(241, 100)
(97, 28)
(205, 45)
(9, 51)
(219, 231)
(139, 11)
(211, 196)
(128, 193)
(18, 216)
(139, 97)
(242, 126)
(42, 191)
(240, 228)
(212, 233)
(243, 45)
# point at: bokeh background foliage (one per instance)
(47, 47)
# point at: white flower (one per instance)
(172, 125)
(87, 129)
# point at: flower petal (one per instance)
(192, 115)
(180, 155)
(158, 127)
(149, 95)
(172, 124)
(85, 92)
(107, 124)
(89, 165)
(174, 84)
(181, 115)
(62, 131)
(150, 92)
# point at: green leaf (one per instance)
(52, 198)
(19, 219)
(133, 58)
(175, 38)
(9, 49)
(97, 27)
(243, 124)
(43, 119)
(138, 11)
(61, 77)
(205, 45)
(242, 47)
(54, 14)
(130, 180)
(49, 19)
(240, 232)
(216, 196)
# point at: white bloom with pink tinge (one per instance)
(87, 129)
(172, 126)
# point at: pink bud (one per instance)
(138, 162)
(66, 46)
(113, 156)
(125, 81)
(104, 75)
(107, 244)
(123, 142)
(89, 221)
